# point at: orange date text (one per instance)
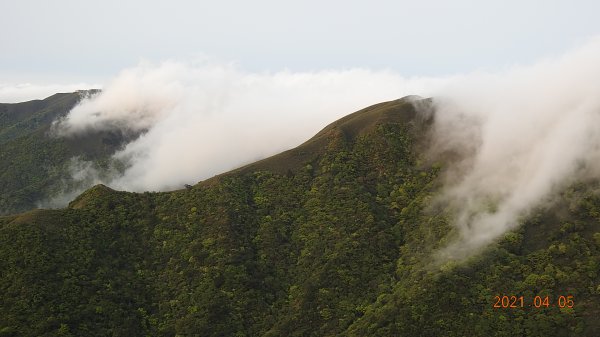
(539, 302)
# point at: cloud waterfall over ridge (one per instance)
(521, 134)
(199, 121)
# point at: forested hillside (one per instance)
(35, 165)
(333, 238)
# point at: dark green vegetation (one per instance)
(332, 238)
(34, 165)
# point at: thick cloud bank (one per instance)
(206, 119)
(522, 135)
(517, 136)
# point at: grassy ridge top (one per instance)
(349, 128)
(18, 119)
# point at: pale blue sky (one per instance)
(63, 41)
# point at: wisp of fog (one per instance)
(519, 135)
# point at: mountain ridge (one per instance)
(337, 246)
(350, 126)
(35, 165)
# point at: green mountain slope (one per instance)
(332, 238)
(34, 165)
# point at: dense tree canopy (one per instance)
(35, 164)
(330, 239)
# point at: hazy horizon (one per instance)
(72, 44)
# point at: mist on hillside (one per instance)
(520, 134)
(201, 120)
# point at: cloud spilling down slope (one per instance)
(520, 134)
(207, 119)
(523, 134)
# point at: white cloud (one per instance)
(202, 120)
(524, 134)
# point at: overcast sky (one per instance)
(68, 41)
